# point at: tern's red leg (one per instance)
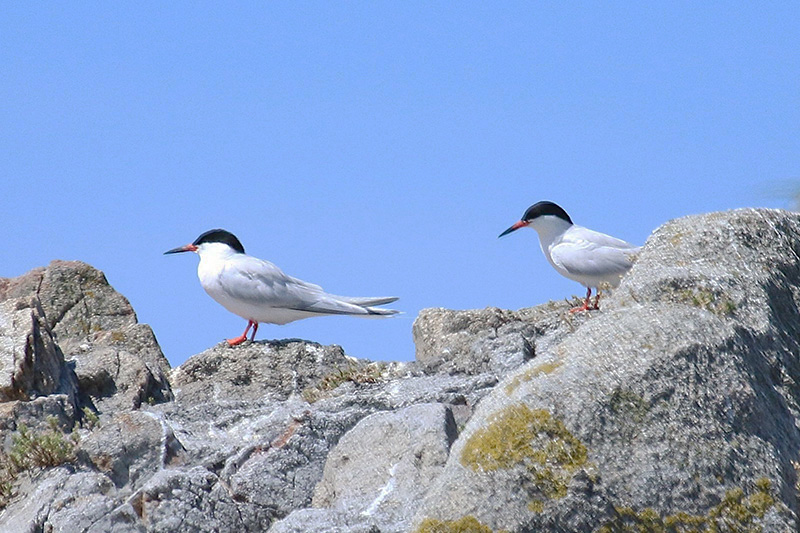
(596, 301)
(255, 328)
(241, 338)
(585, 306)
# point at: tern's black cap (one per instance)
(220, 235)
(540, 209)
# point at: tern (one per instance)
(589, 257)
(259, 291)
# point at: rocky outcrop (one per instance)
(673, 408)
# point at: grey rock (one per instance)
(380, 469)
(31, 363)
(682, 389)
(193, 499)
(305, 520)
(79, 301)
(275, 369)
(130, 446)
(679, 398)
(121, 368)
(36, 415)
(35, 379)
(488, 340)
(64, 329)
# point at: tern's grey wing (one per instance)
(585, 236)
(261, 283)
(257, 282)
(591, 260)
(367, 301)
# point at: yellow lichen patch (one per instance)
(117, 336)
(467, 524)
(536, 506)
(547, 367)
(532, 438)
(733, 513)
(705, 299)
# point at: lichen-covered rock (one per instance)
(31, 363)
(677, 397)
(65, 330)
(121, 369)
(675, 407)
(130, 446)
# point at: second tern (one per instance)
(589, 257)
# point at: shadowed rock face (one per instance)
(675, 405)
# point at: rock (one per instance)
(273, 368)
(193, 499)
(489, 340)
(306, 520)
(675, 406)
(68, 331)
(31, 363)
(380, 469)
(678, 399)
(130, 446)
(121, 369)
(35, 379)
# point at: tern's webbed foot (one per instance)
(587, 303)
(584, 307)
(237, 341)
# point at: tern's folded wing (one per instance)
(592, 260)
(263, 284)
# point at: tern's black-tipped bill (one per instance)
(185, 248)
(515, 227)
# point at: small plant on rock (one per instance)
(90, 419)
(32, 449)
(371, 373)
(42, 450)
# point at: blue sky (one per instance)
(378, 148)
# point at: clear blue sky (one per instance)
(378, 148)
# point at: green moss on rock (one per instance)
(358, 374)
(532, 439)
(467, 524)
(708, 300)
(734, 513)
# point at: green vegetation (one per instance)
(34, 450)
(42, 450)
(371, 373)
(467, 524)
(705, 299)
(90, 419)
(7, 476)
(734, 513)
(533, 439)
